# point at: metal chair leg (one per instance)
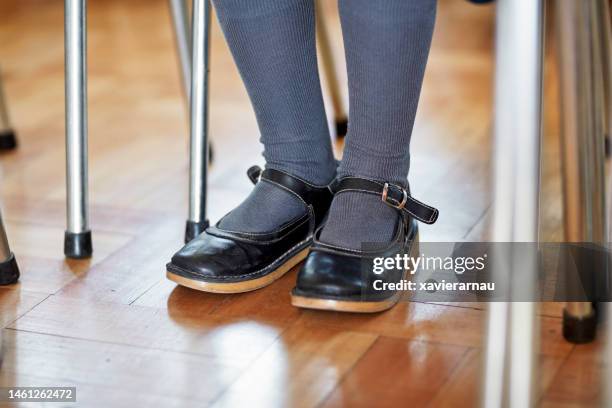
(605, 34)
(9, 271)
(510, 378)
(180, 19)
(77, 239)
(198, 143)
(329, 69)
(583, 135)
(8, 140)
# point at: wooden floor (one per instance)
(123, 335)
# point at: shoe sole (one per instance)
(243, 286)
(352, 306)
(344, 305)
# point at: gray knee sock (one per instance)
(387, 44)
(273, 44)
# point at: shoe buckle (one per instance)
(393, 202)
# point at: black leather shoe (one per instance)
(222, 261)
(342, 279)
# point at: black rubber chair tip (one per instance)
(341, 127)
(9, 271)
(193, 229)
(579, 330)
(77, 245)
(8, 140)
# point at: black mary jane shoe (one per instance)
(342, 279)
(221, 261)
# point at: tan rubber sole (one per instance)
(239, 287)
(344, 305)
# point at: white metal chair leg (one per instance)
(182, 30)
(77, 239)
(198, 143)
(8, 140)
(605, 36)
(9, 271)
(329, 69)
(510, 378)
(584, 117)
(180, 19)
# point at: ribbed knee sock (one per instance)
(273, 44)
(387, 44)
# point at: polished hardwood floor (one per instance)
(114, 327)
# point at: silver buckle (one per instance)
(385, 195)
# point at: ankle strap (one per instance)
(310, 193)
(391, 194)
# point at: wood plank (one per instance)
(133, 269)
(166, 294)
(52, 213)
(550, 309)
(397, 372)
(271, 305)
(47, 275)
(434, 323)
(579, 379)
(238, 341)
(48, 242)
(14, 303)
(299, 369)
(463, 387)
(99, 370)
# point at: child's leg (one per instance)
(273, 44)
(387, 44)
